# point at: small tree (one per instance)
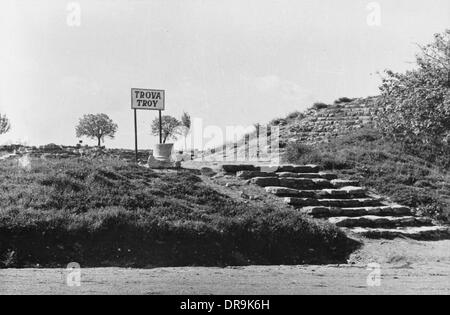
(186, 124)
(96, 127)
(170, 128)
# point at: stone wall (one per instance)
(321, 125)
(309, 127)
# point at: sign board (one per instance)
(147, 99)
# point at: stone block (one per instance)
(234, 168)
(265, 181)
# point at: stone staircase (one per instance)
(341, 202)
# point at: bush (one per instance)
(295, 115)
(278, 122)
(344, 100)
(319, 106)
(51, 147)
(414, 106)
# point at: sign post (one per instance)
(147, 99)
(135, 135)
(160, 128)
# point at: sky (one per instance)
(226, 63)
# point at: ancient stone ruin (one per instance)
(319, 125)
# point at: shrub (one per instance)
(319, 106)
(295, 115)
(415, 104)
(344, 100)
(278, 122)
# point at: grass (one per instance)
(385, 167)
(110, 213)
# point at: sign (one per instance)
(147, 99)
(150, 100)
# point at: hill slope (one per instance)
(107, 212)
(343, 138)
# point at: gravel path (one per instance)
(407, 267)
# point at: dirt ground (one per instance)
(406, 267)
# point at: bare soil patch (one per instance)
(407, 267)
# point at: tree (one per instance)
(416, 104)
(96, 127)
(4, 124)
(170, 128)
(186, 124)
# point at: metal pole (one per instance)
(160, 127)
(135, 136)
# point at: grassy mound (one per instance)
(110, 213)
(384, 166)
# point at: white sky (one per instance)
(228, 62)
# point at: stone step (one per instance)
(339, 183)
(294, 183)
(319, 211)
(374, 221)
(348, 192)
(265, 181)
(417, 233)
(298, 168)
(305, 183)
(334, 203)
(234, 168)
(289, 192)
(342, 193)
(253, 174)
(329, 176)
